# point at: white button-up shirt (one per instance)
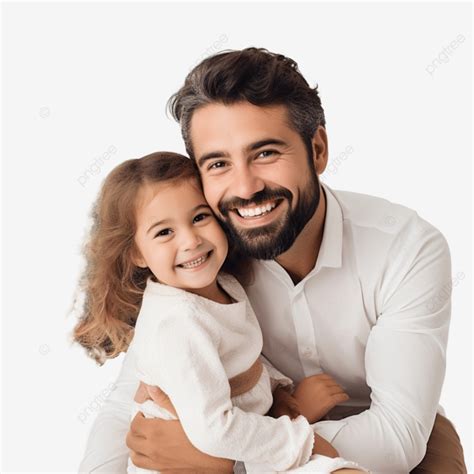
(373, 313)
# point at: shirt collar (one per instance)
(330, 252)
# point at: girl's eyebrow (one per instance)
(163, 221)
(194, 209)
(157, 223)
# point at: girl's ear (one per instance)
(137, 259)
(140, 263)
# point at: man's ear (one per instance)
(320, 150)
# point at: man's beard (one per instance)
(269, 241)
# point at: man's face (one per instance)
(256, 175)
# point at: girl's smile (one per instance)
(178, 238)
(196, 263)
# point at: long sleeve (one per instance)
(185, 363)
(405, 359)
(106, 451)
(276, 377)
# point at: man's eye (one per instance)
(201, 217)
(216, 164)
(163, 233)
(267, 153)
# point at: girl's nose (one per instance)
(191, 240)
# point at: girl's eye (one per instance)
(163, 233)
(200, 217)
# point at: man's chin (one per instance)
(265, 246)
(261, 252)
(247, 236)
(262, 242)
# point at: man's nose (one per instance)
(245, 183)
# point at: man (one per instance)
(344, 284)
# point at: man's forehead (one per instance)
(241, 112)
(218, 126)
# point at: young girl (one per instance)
(154, 258)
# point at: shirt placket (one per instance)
(306, 342)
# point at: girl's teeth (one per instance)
(195, 263)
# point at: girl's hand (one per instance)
(317, 395)
(321, 446)
(284, 404)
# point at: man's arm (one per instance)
(106, 450)
(193, 377)
(405, 359)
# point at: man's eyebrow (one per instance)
(253, 146)
(210, 156)
(164, 221)
(265, 142)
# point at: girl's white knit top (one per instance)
(190, 346)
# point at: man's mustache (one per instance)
(266, 194)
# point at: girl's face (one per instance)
(178, 237)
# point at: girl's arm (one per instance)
(317, 395)
(314, 397)
(276, 377)
(184, 362)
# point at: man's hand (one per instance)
(149, 392)
(162, 445)
(317, 395)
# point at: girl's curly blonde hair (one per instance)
(113, 286)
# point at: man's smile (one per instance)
(262, 214)
(255, 211)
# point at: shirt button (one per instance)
(308, 352)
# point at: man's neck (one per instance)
(301, 257)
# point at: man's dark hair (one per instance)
(254, 75)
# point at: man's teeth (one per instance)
(195, 263)
(256, 211)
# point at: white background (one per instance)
(82, 79)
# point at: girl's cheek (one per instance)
(223, 240)
(225, 244)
